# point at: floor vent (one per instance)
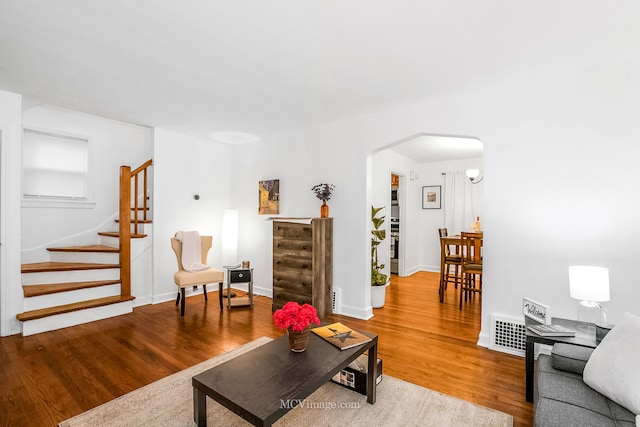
(335, 300)
(508, 335)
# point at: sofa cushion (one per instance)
(612, 369)
(563, 399)
(570, 358)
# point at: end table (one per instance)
(582, 339)
(239, 275)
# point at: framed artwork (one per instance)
(269, 197)
(536, 311)
(432, 197)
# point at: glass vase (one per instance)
(298, 341)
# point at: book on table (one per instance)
(340, 335)
(552, 330)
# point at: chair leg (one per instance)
(455, 281)
(182, 302)
(204, 287)
(220, 294)
(461, 289)
(178, 298)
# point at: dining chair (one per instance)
(448, 260)
(471, 265)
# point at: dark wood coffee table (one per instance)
(265, 383)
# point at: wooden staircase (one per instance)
(84, 283)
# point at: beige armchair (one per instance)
(185, 278)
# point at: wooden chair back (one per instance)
(471, 249)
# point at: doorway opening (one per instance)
(401, 174)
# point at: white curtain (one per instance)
(458, 202)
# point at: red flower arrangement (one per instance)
(295, 316)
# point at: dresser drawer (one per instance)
(301, 248)
(290, 230)
(293, 282)
(282, 296)
(291, 264)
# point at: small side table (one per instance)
(240, 275)
(582, 339)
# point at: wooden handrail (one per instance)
(126, 175)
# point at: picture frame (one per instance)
(269, 197)
(432, 197)
(537, 311)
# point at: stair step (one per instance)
(52, 288)
(67, 308)
(43, 267)
(117, 235)
(88, 248)
(140, 221)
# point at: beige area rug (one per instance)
(169, 402)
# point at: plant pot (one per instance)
(298, 341)
(378, 294)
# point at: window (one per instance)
(54, 166)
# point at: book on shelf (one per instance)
(340, 335)
(231, 266)
(552, 330)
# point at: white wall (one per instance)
(185, 166)
(559, 186)
(111, 145)
(330, 154)
(10, 170)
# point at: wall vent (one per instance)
(335, 301)
(508, 335)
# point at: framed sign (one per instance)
(431, 197)
(536, 311)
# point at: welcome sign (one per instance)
(536, 311)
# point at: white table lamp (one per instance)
(590, 285)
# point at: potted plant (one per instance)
(379, 280)
(323, 192)
(297, 320)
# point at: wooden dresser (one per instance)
(303, 264)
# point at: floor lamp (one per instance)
(229, 237)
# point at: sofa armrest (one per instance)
(570, 358)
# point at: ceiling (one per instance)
(246, 69)
(438, 148)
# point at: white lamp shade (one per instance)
(588, 283)
(229, 236)
(472, 173)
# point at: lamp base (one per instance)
(590, 313)
(587, 327)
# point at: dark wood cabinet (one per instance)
(303, 264)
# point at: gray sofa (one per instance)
(562, 399)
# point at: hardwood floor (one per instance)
(49, 377)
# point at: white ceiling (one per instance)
(245, 69)
(435, 148)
